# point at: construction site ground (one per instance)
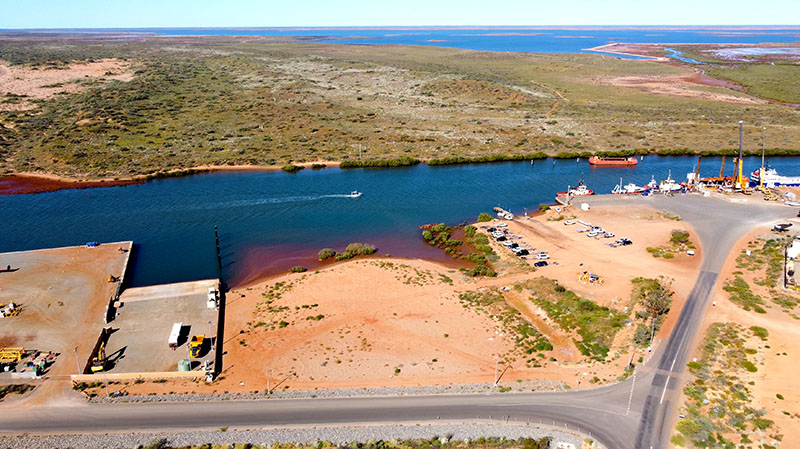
(63, 294)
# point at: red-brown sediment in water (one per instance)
(20, 184)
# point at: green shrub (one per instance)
(403, 161)
(441, 227)
(642, 335)
(291, 168)
(427, 235)
(544, 207)
(298, 269)
(326, 253)
(360, 249)
(469, 231)
(679, 237)
(453, 160)
(760, 332)
(484, 217)
(749, 366)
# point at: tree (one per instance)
(642, 335)
(484, 217)
(657, 299)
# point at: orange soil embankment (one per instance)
(394, 322)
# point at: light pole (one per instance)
(496, 362)
(269, 390)
(211, 335)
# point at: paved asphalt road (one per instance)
(602, 412)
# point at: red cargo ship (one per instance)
(597, 160)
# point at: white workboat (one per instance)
(355, 194)
(669, 184)
(771, 178)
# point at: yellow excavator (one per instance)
(196, 345)
(99, 362)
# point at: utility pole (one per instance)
(496, 362)
(77, 361)
(269, 390)
(105, 376)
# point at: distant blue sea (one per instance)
(535, 40)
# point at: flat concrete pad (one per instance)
(139, 342)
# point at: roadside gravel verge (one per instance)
(340, 435)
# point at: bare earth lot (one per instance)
(44, 83)
(390, 322)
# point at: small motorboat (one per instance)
(355, 194)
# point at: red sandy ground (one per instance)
(378, 319)
(776, 371)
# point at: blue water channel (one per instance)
(270, 221)
(520, 39)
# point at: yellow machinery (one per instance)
(99, 362)
(11, 309)
(196, 345)
(11, 355)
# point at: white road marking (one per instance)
(666, 384)
(630, 398)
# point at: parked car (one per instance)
(591, 234)
(542, 256)
(572, 222)
(624, 241)
(608, 235)
(541, 263)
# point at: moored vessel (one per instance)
(771, 178)
(579, 190)
(601, 161)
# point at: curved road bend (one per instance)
(601, 412)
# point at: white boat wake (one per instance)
(263, 201)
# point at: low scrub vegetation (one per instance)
(462, 242)
(215, 100)
(445, 442)
(595, 325)
(531, 344)
(678, 242)
(741, 294)
(6, 390)
(719, 409)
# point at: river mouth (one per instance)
(271, 221)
